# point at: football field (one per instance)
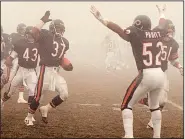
(92, 109)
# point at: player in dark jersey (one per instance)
(21, 29)
(52, 47)
(169, 54)
(26, 49)
(146, 47)
(20, 34)
(6, 48)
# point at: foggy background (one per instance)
(83, 31)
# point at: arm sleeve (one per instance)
(174, 52)
(176, 63)
(123, 33)
(36, 30)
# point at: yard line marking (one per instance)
(116, 109)
(175, 105)
(87, 104)
(116, 105)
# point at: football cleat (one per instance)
(150, 125)
(28, 121)
(33, 119)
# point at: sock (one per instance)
(21, 95)
(30, 115)
(56, 101)
(127, 116)
(49, 106)
(6, 97)
(30, 99)
(33, 106)
(156, 120)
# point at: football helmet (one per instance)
(57, 27)
(142, 22)
(169, 28)
(28, 34)
(21, 28)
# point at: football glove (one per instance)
(45, 18)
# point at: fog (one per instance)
(83, 31)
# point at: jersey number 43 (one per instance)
(33, 56)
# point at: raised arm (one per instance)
(38, 27)
(112, 26)
(161, 15)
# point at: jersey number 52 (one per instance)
(161, 55)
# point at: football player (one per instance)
(52, 47)
(21, 28)
(146, 47)
(26, 50)
(6, 48)
(169, 54)
(110, 52)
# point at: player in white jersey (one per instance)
(110, 48)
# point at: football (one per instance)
(66, 64)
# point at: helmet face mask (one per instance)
(28, 34)
(57, 28)
(170, 28)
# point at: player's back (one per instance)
(146, 47)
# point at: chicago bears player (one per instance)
(169, 54)
(52, 47)
(26, 50)
(6, 48)
(21, 28)
(146, 47)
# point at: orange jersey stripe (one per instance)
(40, 82)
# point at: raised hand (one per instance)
(95, 12)
(45, 18)
(161, 10)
